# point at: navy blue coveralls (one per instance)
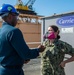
(13, 51)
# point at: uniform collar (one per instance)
(55, 42)
(4, 23)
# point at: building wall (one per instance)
(31, 33)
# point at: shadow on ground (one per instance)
(33, 67)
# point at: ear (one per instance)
(9, 17)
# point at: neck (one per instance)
(51, 41)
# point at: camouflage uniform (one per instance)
(53, 56)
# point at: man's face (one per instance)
(13, 19)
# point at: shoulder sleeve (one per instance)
(68, 49)
(17, 41)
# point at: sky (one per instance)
(47, 7)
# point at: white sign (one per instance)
(67, 30)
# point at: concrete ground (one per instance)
(34, 67)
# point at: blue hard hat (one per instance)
(7, 8)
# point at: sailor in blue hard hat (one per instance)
(13, 49)
(7, 11)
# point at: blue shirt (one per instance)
(13, 49)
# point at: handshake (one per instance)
(41, 48)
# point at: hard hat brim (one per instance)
(6, 13)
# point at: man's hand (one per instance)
(62, 64)
(41, 48)
(26, 61)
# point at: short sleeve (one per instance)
(68, 49)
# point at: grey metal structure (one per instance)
(65, 22)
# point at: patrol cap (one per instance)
(5, 9)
